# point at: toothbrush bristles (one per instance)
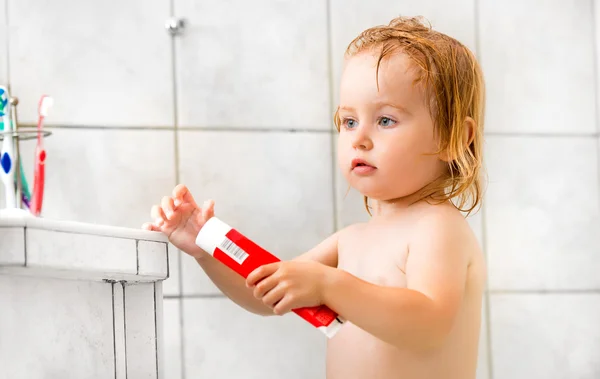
(46, 104)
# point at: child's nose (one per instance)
(362, 139)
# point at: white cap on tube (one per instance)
(332, 328)
(212, 235)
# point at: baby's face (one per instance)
(386, 143)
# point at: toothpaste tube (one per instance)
(243, 256)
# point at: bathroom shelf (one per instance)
(77, 292)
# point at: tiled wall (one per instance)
(239, 107)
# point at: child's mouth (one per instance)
(362, 167)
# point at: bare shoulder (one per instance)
(444, 259)
(447, 224)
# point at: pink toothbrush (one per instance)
(37, 196)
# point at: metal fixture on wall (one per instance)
(175, 26)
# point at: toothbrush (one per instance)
(7, 153)
(26, 195)
(40, 159)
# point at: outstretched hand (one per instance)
(180, 219)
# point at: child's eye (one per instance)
(349, 123)
(386, 121)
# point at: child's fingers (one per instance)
(208, 209)
(274, 296)
(261, 273)
(150, 226)
(265, 286)
(158, 215)
(168, 206)
(182, 194)
(284, 306)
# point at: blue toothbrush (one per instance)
(26, 195)
(7, 170)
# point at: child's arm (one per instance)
(180, 218)
(419, 316)
(234, 286)
(422, 314)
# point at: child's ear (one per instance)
(469, 130)
(467, 140)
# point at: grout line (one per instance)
(177, 168)
(137, 257)
(125, 328)
(25, 246)
(545, 292)
(334, 187)
(596, 83)
(249, 129)
(112, 286)
(168, 263)
(155, 332)
(197, 296)
(258, 129)
(484, 237)
(596, 61)
(7, 41)
(542, 135)
(488, 310)
(99, 127)
(477, 30)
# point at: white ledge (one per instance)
(75, 250)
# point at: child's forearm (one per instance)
(232, 285)
(399, 316)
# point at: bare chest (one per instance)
(378, 257)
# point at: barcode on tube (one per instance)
(233, 250)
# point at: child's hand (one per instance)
(288, 285)
(180, 219)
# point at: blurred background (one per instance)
(235, 99)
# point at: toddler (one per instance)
(410, 281)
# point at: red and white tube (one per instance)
(243, 256)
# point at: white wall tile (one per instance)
(3, 47)
(542, 213)
(55, 328)
(102, 66)
(172, 339)
(541, 80)
(222, 340)
(253, 64)
(105, 176)
(350, 17)
(550, 336)
(475, 220)
(350, 204)
(171, 285)
(195, 281)
(273, 187)
(140, 331)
